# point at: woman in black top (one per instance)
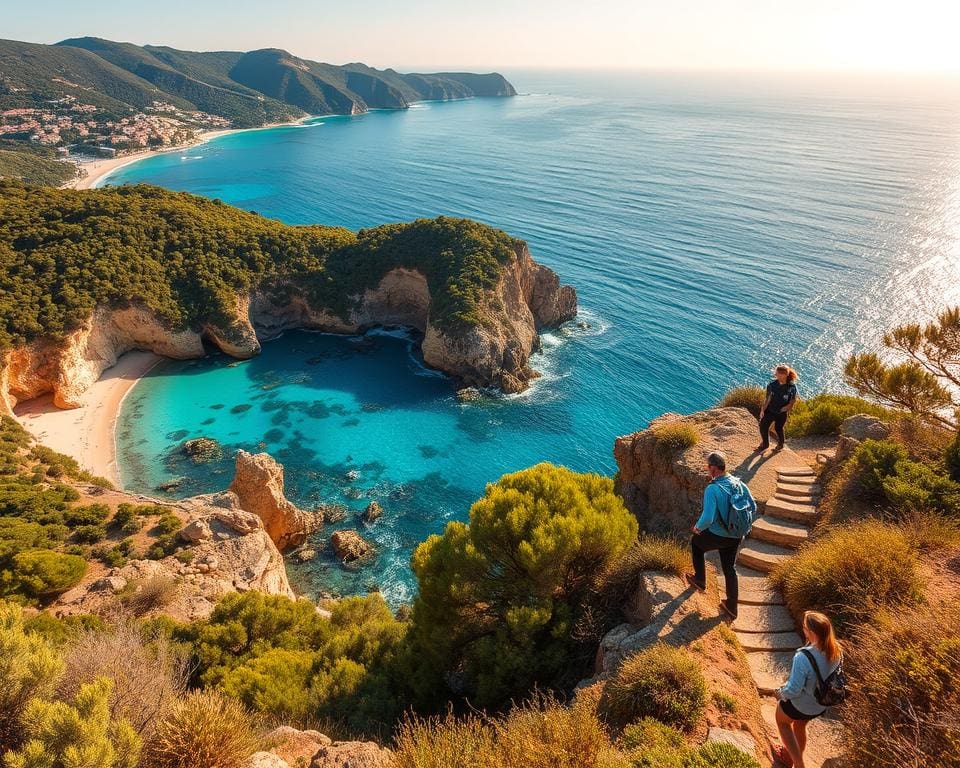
(780, 399)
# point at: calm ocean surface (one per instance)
(712, 228)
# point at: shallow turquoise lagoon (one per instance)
(712, 226)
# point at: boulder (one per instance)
(305, 555)
(845, 447)
(468, 394)
(196, 531)
(742, 740)
(296, 746)
(349, 545)
(863, 427)
(352, 754)
(267, 760)
(373, 512)
(109, 583)
(258, 485)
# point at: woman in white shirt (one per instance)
(798, 703)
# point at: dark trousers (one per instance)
(777, 419)
(704, 542)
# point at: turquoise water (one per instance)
(711, 226)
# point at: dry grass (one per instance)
(202, 730)
(904, 708)
(675, 438)
(148, 674)
(662, 682)
(151, 594)
(747, 397)
(851, 573)
(540, 734)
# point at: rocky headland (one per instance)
(491, 348)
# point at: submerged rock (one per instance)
(202, 449)
(468, 394)
(349, 546)
(171, 485)
(373, 512)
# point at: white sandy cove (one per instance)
(88, 433)
(98, 168)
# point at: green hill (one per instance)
(65, 252)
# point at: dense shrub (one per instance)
(41, 573)
(89, 534)
(951, 458)
(29, 668)
(652, 744)
(280, 657)
(202, 730)
(675, 438)
(718, 754)
(905, 707)
(541, 734)
(661, 682)
(500, 598)
(824, 413)
(747, 397)
(914, 487)
(63, 735)
(875, 460)
(851, 573)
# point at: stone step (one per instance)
(769, 641)
(797, 498)
(796, 472)
(798, 489)
(770, 669)
(785, 533)
(762, 555)
(763, 618)
(790, 510)
(754, 587)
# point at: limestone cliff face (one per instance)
(258, 486)
(496, 353)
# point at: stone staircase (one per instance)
(764, 626)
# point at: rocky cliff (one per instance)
(665, 489)
(527, 297)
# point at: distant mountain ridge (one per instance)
(248, 88)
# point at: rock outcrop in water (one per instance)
(258, 486)
(527, 297)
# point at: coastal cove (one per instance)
(695, 268)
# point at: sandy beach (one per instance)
(99, 167)
(88, 433)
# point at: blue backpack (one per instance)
(740, 510)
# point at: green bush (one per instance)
(747, 397)
(89, 534)
(720, 755)
(92, 514)
(652, 744)
(906, 701)
(914, 487)
(951, 458)
(168, 524)
(824, 413)
(661, 682)
(875, 460)
(502, 597)
(41, 573)
(205, 729)
(29, 668)
(62, 735)
(675, 438)
(851, 573)
(281, 658)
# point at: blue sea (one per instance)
(713, 226)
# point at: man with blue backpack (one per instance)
(728, 512)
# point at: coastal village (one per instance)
(76, 128)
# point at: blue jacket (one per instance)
(716, 503)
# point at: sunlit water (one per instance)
(712, 227)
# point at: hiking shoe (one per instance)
(726, 609)
(692, 581)
(761, 448)
(779, 447)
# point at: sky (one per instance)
(908, 36)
